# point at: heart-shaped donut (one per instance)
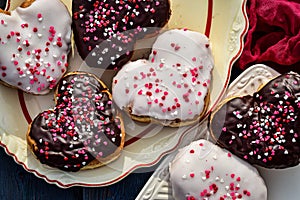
(83, 130)
(203, 170)
(34, 45)
(263, 129)
(172, 86)
(105, 31)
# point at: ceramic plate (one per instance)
(224, 22)
(281, 183)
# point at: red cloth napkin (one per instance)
(274, 35)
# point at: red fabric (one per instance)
(274, 35)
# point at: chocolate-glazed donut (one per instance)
(105, 31)
(264, 128)
(82, 131)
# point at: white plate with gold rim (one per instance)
(225, 22)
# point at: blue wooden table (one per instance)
(16, 183)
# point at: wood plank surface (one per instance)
(16, 183)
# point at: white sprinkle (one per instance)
(239, 116)
(266, 154)
(239, 125)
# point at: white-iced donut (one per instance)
(34, 45)
(172, 85)
(203, 170)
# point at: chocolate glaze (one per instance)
(82, 126)
(263, 129)
(116, 25)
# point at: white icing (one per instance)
(179, 69)
(34, 68)
(209, 164)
